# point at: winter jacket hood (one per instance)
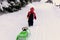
(31, 11)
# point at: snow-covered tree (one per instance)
(36, 0)
(49, 1)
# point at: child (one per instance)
(23, 34)
(31, 15)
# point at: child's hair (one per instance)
(24, 28)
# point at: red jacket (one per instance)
(31, 11)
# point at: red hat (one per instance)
(31, 8)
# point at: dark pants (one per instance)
(30, 20)
(30, 23)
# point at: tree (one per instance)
(49, 1)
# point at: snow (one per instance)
(5, 4)
(46, 27)
(56, 1)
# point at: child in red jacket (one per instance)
(31, 15)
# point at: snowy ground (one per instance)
(46, 27)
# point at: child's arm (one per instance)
(34, 15)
